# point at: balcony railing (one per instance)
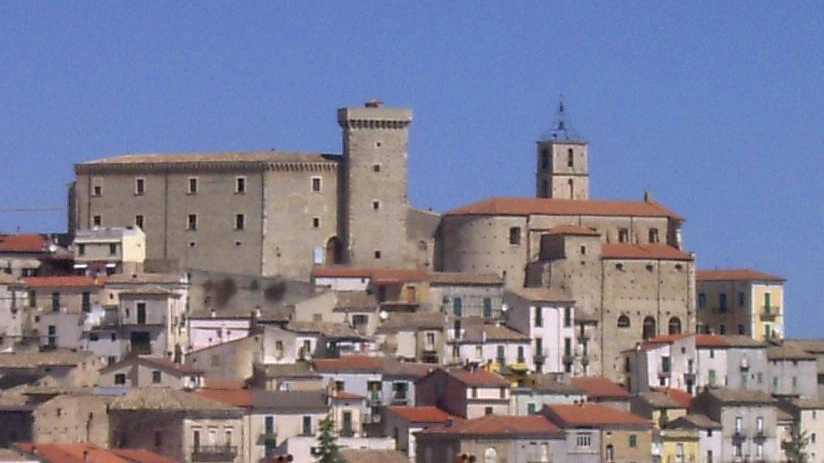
(374, 396)
(739, 437)
(769, 313)
(214, 453)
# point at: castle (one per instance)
(282, 213)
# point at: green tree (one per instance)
(795, 447)
(327, 450)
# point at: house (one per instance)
(12, 304)
(65, 452)
(815, 347)
(73, 417)
(402, 422)
(712, 361)
(20, 253)
(356, 374)
(658, 407)
(604, 391)
(373, 456)
(105, 251)
(464, 392)
(668, 360)
(748, 422)
(597, 432)
(807, 415)
(16, 419)
(299, 376)
(793, 371)
(547, 317)
(58, 304)
(231, 359)
(492, 438)
(684, 430)
(147, 371)
(413, 336)
(496, 348)
(529, 397)
(67, 368)
(399, 379)
(177, 424)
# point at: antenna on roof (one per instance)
(561, 130)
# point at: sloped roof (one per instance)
(597, 387)
(736, 396)
(489, 333)
(570, 229)
(788, 351)
(549, 383)
(810, 345)
(385, 275)
(682, 397)
(642, 251)
(498, 425)
(328, 329)
(73, 281)
(234, 397)
(543, 294)
(155, 278)
(709, 340)
(23, 242)
(166, 399)
(742, 274)
(355, 301)
(239, 157)
(555, 206)
(478, 377)
(397, 321)
(61, 357)
(81, 452)
(423, 414)
(373, 456)
(149, 290)
(290, 401)
(592, 414)
(341, 271)
(740, 340)
(693, 420)
(462, 278)
(362, 363)
(392, 367)
(6, 279)
(661, 400)
(290, 370)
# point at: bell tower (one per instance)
(562, 163)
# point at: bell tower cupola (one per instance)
(562, 164)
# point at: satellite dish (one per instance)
(383, 315)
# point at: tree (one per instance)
(327, 450)
(795, 446)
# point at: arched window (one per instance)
(623, 321)
(491, 455)
(675, 325)
(649, 328)
(334, 251)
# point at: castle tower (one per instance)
(373, 184)
(562, 166)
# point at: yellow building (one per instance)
(679, 445)
(740, 301)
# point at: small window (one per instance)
(120, 379)
(376, 168)
(623, 321)
(96, 221)
(487, 410)
(97, 187)
(740, 328)
(113, 249)
(570, 158)
(240, 221)
(138, 221)
(653, 235)
(156, 377)
(139, 186)
(619, 267)
(81, 249)
(376, 205)
(544, 159)
(192, 185)
(316, 184)
(722, 329)
(741, 299)
(93, 337)
(702, 300)
(191, 222)
(623, 235)
(158, 439)
(315, 222)
(583, 250)
(515, 235)
(377, 254)
(633, 440)
(240, 185)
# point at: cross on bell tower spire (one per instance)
(562, 166)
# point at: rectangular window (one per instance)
(583, 439)
(81, 249)
(487, 307)
(702, 300)
(741, 299)
(457, 306)
(501, 357)
(722, 302)
(633, 440)
(97, 187)
(191, 222)
(138, 221)
(767, 301)
(653, 235)
(139, 186)
(307, 426)
(530, 408)
(55, 302)
(97, 221)
(739, 423)
(316, 184)
(759, 424)
(240, 221)
(722, 329)
(315, 222)
(515, 235)
(539, 346)
(539, 316)
(192, 185)
(487, 410)
(740, 328)
(376, 205)
(567, 317)
(240, 185)
(113, 249)
(156, 377)
(666, 364)
(119, 379)
(86, 301)
(623, 235)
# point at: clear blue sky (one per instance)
(715, 107)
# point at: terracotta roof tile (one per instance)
(736, 396)
(543, 294)
(73, 281)
(234, 397)
(735, 275)
(373, 456)
(141, 456)
(423, 414)
(554, 206)
(80, 452)
(788, 352)
(346, 395)
(660, 399)
(210, 157)
(597, 387)
(161, 398)
(461, 278)
(591, 414)
(341, 271)
(570, 229)
(349, 363)
(682, 397)
(709, 340)
(483, 333)
(399, 275)
(23, 242)
(642, 251)
(497, 425)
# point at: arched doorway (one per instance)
(334, 251)
(674, 325)
(648, 330)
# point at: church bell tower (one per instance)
(562, 166)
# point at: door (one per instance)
(141, 313)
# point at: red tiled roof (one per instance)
(496, 425)
(141, 456)
(80, 452)
(591, 414)
(598, 387)
(344, 395)
(570, 229)
(349, 363)
(682, 397)
(465, 278)
(662, 339)
(734, 275)
(709, 340)
(64, 281)
(554, 206)
(423, 414)
(341, 271)
(399, 275)
(642, 251)
(23, 242)
(478, 377)
(224, 383)
(235, 397)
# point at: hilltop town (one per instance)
(254, 306)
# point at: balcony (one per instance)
(267, 436)
(519, 366)
(374, 397)
(664, 372)
(214, 453)
(539, 358)
(760, 437)
(738, 437)
(568, 358)
(769, 313)
(399, 399)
